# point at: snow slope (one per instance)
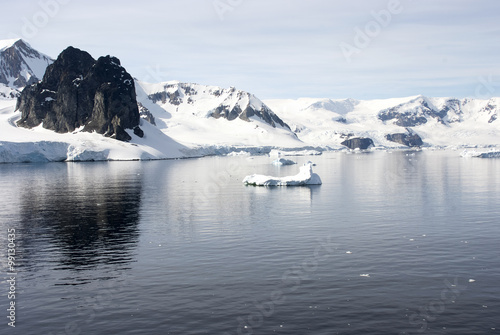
(185, 113)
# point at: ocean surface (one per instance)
(391, 243)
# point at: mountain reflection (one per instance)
(85, 214)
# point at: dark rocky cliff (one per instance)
(358, 143)
(78, 91)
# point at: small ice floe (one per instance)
(283, 161)
(364, 275)
(471, 280)
(304, 177)
(348, 252)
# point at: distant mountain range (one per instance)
(185, 119)
(438, 121)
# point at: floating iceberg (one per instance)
(283, 161)
(304, 177)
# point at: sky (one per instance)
(361, 49)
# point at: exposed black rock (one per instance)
(358, 143)
(172, 98)
(417, 112)
(491, 109)
(226, 112)
(452, 106)
(233, 113)
(138, 132)
(146, 114)
(405, 119)
(264, 113)
(78, 91)
(410, 140)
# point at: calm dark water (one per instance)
(391, 243)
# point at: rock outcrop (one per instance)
(408, 139)
(145, 114)
(232, 112)
(361, 143)
(78, 91)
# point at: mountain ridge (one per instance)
(189, 120)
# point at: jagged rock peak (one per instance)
(71, 65)
(78, 91)
(20, 65)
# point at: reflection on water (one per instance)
(87, 214)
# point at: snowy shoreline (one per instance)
(66, 152)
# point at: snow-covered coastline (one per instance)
(186, 120)
(42, 145)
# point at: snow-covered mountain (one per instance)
(200, 115)
(20, 65)
(446, 111)
(189, 120)
(438, 121)
(208, 119)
